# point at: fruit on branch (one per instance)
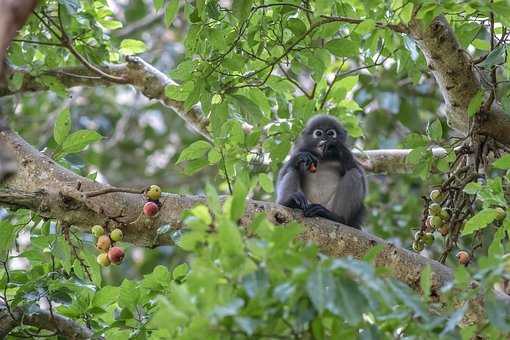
(154, 192)
(418, 245)
(434, 209)
(500, 214)
(445, 215)
(116, 255)
(463, 257)
(150, 209)
(435, 196)
(428, 239)
(103, 243)
(116, 235)
(103, 259)
(97, 230)
(444, 230)
(436, 222)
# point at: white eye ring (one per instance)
(332, 133)
(317, 133)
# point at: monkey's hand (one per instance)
(298, 201)
(304, 160)
(318, 210)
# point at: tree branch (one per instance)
(42, 319)
(456, 77)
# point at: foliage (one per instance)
(259, 70)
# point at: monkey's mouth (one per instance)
(324, 147)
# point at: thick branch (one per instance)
(458, 81)
(43, 186)
(42, 319)
(136, 72)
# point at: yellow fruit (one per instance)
(434, 209)
(154, 192)
(463, 257)
(501, 214)
(103, 243)
(435, 196)
(103, 259)
(97, 230)
(116, 235)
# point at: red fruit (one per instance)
(312, 168)
(150, 209)
(103, 243)
(463, 257)
(116, 254)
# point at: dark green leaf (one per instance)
(79, 140)
(62, 126)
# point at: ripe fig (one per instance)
(463, 257)
(150, 209)
(103, 243)
(97, 230)
(501, 214)
(116, 255)
(103, 260)
(434, 209)
(116, 235)
(312, 168)
(154, 192)
(435, 196)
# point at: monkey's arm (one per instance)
(350, 196)
(288, 188)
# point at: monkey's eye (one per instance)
(331, 133)
(317, 133)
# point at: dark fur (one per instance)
(337, 189)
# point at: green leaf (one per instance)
(406, 12)
(321, 288)
(435, 130)
(238, 201)
(494, 56)
(479, 221)
(472, 188)
(343, 47)
(241, 9)
(171, 12)
(179, 92)
(266, 182)
(62, 126)
(426, 281)
(79, 140)
(158, 4)
(132, 46)
(202, 212)
(129, 295)
(503, 162)
(180, 271)
(475, 103)
(194, 151)
(72, 6)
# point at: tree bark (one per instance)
(456, 77)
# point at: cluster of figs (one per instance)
(437, 220)
(106, 243)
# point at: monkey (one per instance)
(322, 177)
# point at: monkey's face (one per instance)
(323, 135)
